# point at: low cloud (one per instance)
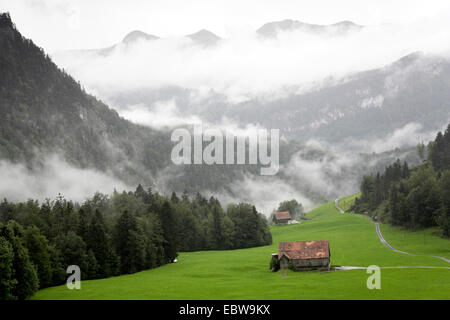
(407, 136)
(55, 177)
(410, 135)
(244, 66)
(166, 114)
(265, 193)
(162, 115)
(324, 175)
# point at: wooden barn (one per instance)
(303, 255)
(282, 217)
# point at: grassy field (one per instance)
(244, 274)
(421, 242)
(346, 202)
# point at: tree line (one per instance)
(412, 198)
(113, 235)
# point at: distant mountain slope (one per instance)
(46, 111)
(130, 39)
(368, 104)
(204, 38)
(373, 103)
(271, 29)
(138, 35)
(207, 38)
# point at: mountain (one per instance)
(47, 112)
(271, 29)
(364, 105)
(137, 35)
(130, 39)
(204, 37)
(373, 103)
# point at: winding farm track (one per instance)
(336, 204)
(345, 268)
(384, 242)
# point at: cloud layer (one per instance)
(244, 66)
(18, 183)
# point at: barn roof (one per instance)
(304, 249)
(282, 215)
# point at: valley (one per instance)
(245, 274)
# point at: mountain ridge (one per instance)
(207, 38)
(47, 112)
(271, 29)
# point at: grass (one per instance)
(325, 211)
(347, 202)
(244, 274)
(419, 242)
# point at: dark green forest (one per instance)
(417, 197)
(112, 235)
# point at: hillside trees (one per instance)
(25, 279)
(169, 227)
(97, 241)
(417, 198)
(439, 153)
(39, 253)
(250, 227)
(7, 281)
(443, 216)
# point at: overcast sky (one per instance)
(76, 24)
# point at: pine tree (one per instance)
(97, 241)
(126, 225)
(393, 205)
(405, 170)
(83, 224)
(217, 227)
(437, 152)
(169, 227)
(421, 151)
(185, 196)
(443, 218)
(174, 198)
(140, 193)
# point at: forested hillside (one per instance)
(108, 236)
(413, 198)
(46, 111)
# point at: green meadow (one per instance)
(245, 274)
(346, 202)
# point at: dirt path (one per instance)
(383, 241)
(387, 245)
(345, 268)
(336, 204)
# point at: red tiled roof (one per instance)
(282, 215)
(304, 249)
